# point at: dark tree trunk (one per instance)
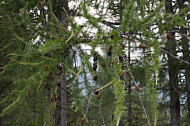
(129, 91)
(174, 95)
(186, 52)
(187, 76)
(185, 44)
(58, 9)
(121, 123)
(63, 100)
(173, 70)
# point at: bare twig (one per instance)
(140, 99)
(112, 26)
(100, 108)
(88, 105)
(175, 57)
(111, 23)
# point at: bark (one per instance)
(63, 100)
(59, 11)
(187, 76)
(187, 70)
(186, 52)
(121, 123)
(173, 70)
(61, 15)
(129, 91)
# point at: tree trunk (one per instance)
(58, 9)
(63, 100)
(172, 64)
(129, 91)
(185, 45)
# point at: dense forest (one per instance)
(95, 63)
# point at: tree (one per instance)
(55, 81)
(174, 94)
(185, 51)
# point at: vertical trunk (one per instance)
(58, 9)
(187, 69)
(187, 76)
(172, 68)
(121, 123)
(129, 90)
(59, 12)
(174, 95)
(185, 45)
(63, 100)
(129, 107)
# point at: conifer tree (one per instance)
(48, 78)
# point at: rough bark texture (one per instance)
(173, 70)
(63, 100)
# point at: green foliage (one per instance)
(33, 47)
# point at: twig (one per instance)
(112, 23)
(112, 26)
(100, 108)
(88, 105)
(175, 57)
(58, 26)
(79, 114)
(140, 99)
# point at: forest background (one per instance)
(95, 62)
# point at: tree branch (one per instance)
(162, 49)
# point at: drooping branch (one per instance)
(175, 57)
(127, 34)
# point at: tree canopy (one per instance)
(95, 62)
